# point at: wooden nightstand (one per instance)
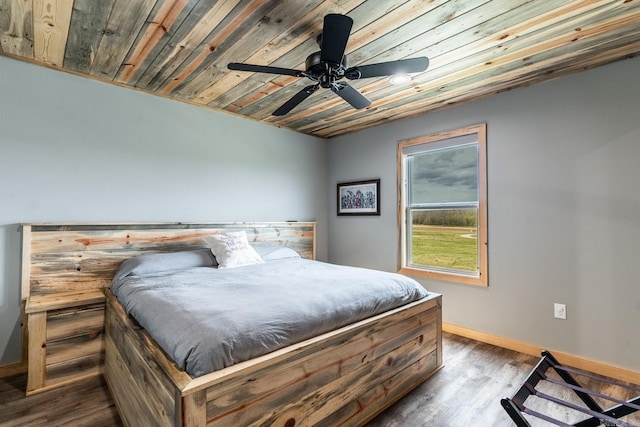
(65, 338)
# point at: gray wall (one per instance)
(72, 149)
(564, 212)
(564, 206)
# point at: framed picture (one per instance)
(359, 198)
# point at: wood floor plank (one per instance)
(466, 392)
(86, 403)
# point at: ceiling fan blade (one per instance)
(335, 35)
(264, 69)
(351, 95)
(413, 65)
(295, 100)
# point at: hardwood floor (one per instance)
(466, 392)
(86, 403)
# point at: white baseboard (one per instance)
(607, 370)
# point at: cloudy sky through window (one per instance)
(445, 176)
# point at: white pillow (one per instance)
(232, 249)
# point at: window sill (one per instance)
(449, 277)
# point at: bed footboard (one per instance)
(344, 377)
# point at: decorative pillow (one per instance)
(232, 249)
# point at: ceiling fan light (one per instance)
(400, 79)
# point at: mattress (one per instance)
(207, 318)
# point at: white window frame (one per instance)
(482, 277)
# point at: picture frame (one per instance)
(359, 197)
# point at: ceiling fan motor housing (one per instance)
(324, 72)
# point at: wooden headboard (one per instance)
(84, 257)
(65, 268)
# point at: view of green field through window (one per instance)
(445, 238)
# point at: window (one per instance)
(443, 206)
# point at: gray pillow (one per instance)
(272, 253)
(154, 263)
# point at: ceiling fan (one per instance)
(329, 65)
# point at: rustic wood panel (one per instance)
(76, 347)
(51, 19)
(87, 26)
(16, 28)
(195, 413)
(318, 367)
(240, 19)
(180, 49)
(71, 259)
(73, 370)
(135, 237)
(523, 56)
(329, 400)
(206, 17)
(76, 321)
(322, 377)
(165, 17)
(386, 393)
(125, 20)
(37, 327)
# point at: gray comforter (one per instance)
(207, 318)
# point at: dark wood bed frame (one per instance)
(343, 377)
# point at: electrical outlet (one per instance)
(560, 311)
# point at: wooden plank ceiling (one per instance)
(180, 49)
